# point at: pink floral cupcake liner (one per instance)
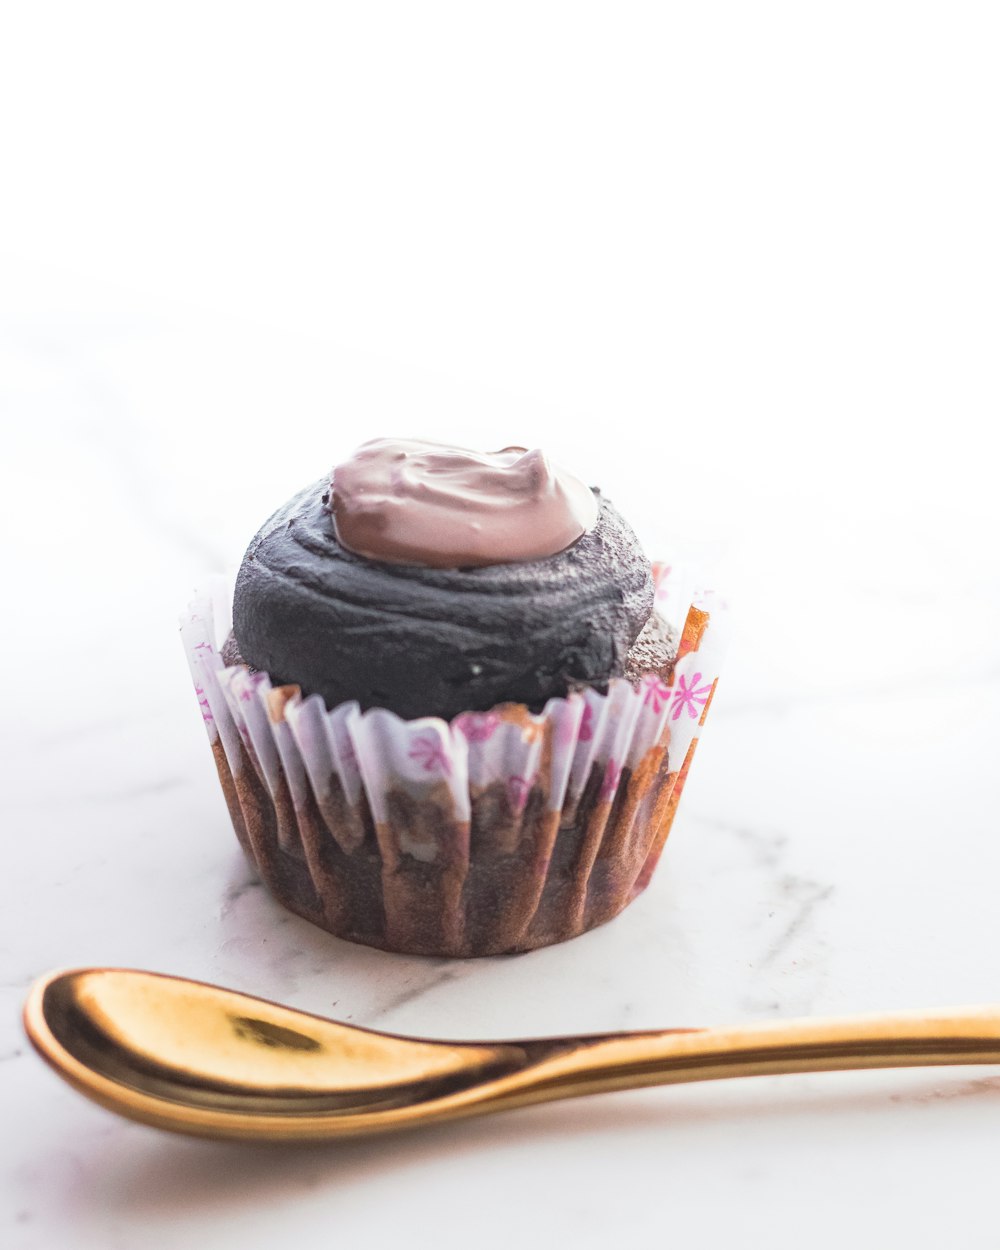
(501, 831)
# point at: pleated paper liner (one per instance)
(501, 831)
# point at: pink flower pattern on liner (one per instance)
(478, 726)
(206, 711)
(657, 694)
(518, 789)
(612, 775)
(690, 696)
(587, 723)
(430, 754)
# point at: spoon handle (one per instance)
(904, 1039)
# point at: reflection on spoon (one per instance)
(199, 1059)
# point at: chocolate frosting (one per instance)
(436, 641)
(411, 502)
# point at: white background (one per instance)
(736, 263)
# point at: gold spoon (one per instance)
(198, 1059)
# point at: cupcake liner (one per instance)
(500, 831)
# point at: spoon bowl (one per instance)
(181, 1054)
(199, 1059)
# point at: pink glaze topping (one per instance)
(413, 502)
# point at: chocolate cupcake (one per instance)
(456, 707)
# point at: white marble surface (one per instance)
(837, 848)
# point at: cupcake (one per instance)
(457, 704)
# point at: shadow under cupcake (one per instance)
(457, 705)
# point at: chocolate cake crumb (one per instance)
(230, 653)
(654, 651)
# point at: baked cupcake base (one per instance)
(501, 832)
